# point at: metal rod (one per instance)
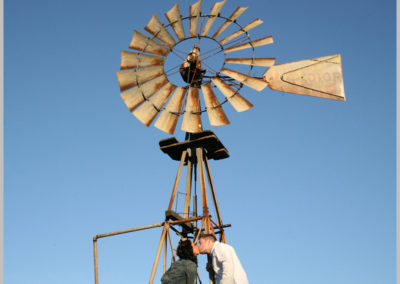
(184, 220)
(195, 209)
(178, 176)
(203, 189)
(214, 197)
(170, 244)
(198, 234)
(165, 253)
(153, 271)
(96, 273)
(128, 231)
(188, 185)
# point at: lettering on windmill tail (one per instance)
(326, 82)
(326, 77)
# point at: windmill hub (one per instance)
(191, 70)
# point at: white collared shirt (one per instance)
(226, 265)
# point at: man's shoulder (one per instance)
(222, 245)
(222, 250)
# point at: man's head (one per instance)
(206, 243)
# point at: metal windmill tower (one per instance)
(148, 92)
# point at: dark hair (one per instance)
(208, 236)
(185, 251)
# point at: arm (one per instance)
(224, 261)
(227, 271)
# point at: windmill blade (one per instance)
(234, 98)
(245, 29)
(232, 18)
(169, 116)
(194, 17)
(175, 19)
(216, 115)
(320, 77)
(130, 60)
(157, 29)
(133, 98)
(252, 61)
(256, 84)
(213, 15)
(151, 107)
(192, 117)
(146, 44)
(259, 42)
(130, 78)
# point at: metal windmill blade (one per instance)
(147, 89)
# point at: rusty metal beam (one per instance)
(163, 234)
(127, 231)
(178, 176)
(214, 197)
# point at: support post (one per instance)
(178, 175)
(188, 185)
(199, 152)
(214, 197)
(154, 269)
(96, 273)
(165, 253)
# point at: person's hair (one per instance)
(211, 237)
(185, 251)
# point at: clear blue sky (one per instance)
(310, 185)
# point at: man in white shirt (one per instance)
(225, 262)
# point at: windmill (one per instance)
(156, 91)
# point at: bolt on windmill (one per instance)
(173, 72)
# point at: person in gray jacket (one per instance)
(183, 271)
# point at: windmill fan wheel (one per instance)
(147, 83)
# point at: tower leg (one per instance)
(214, 197)
(178, 176)
(188, 185)
(207, 223)
(163, 234)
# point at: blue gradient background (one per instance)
(310, 185)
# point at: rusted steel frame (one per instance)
(163, 234)
(96, 268)
(214, 197)
(96, 272)
(128, 231)
(184, 220)
(212, 189)
(188, 185)
(212, 227)
(198, 234)
(219, 227)
(199, 152)
(170, 244)
(178, 175)
(176, 231)
(195, 209)
(165, 253)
